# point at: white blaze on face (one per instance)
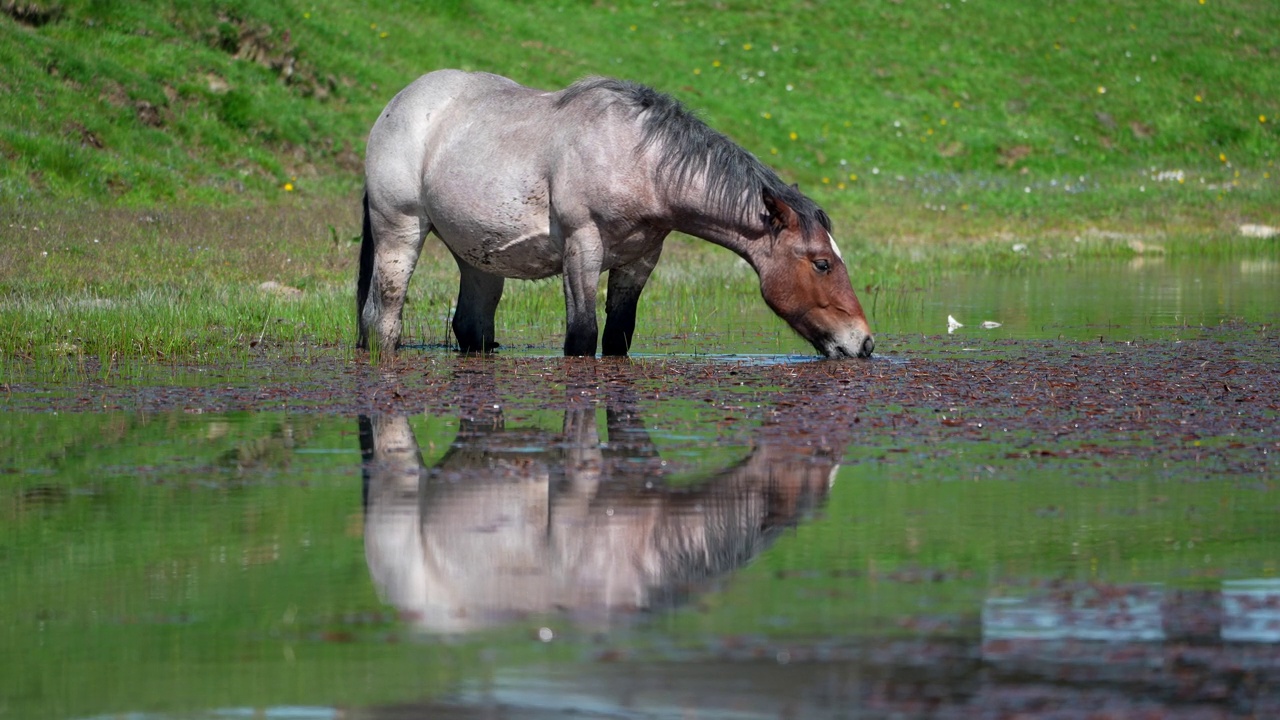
(835, 247)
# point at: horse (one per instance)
(526, 184)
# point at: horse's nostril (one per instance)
(868, 346)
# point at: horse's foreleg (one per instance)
(397, 240)
(625, 285)
(583, 256)
(478, 296)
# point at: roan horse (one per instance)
(526, 184)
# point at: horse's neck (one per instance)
(694, 215)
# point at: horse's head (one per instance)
(804, 280)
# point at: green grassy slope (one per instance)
(965, 104)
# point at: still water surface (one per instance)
(1147, 297)
(635, 557)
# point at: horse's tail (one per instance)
(365, 276)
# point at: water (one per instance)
(1145, 297)
(1049, 526)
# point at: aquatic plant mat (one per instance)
(1137, 398)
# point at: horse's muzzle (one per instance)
(868, 347)
(836, 349)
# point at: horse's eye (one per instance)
(822, 265)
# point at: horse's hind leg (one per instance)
(397, 241)
(625, 286)
(478, 296)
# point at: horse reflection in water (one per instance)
(511, 523)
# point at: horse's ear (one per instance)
(781, 216)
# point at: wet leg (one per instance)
(397, 243)
(625, 285)
(478, 296)
(583, 256)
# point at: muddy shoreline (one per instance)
(1213, 401)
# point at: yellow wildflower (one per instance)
(288, 187)
(746, 46)
(794, 136)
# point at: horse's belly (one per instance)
(527, 256)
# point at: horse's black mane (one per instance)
(735, 179)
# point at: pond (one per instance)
(1143, 298)
(1074, 514)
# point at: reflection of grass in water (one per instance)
(147, 566)
(905, 545)
(180, 561)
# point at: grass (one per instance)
(171, 157)
(985, 98)
(226, 285)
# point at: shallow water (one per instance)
(1147, 297)
(1050, 526)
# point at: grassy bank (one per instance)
(968, 103)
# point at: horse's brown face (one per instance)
(805, 281)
